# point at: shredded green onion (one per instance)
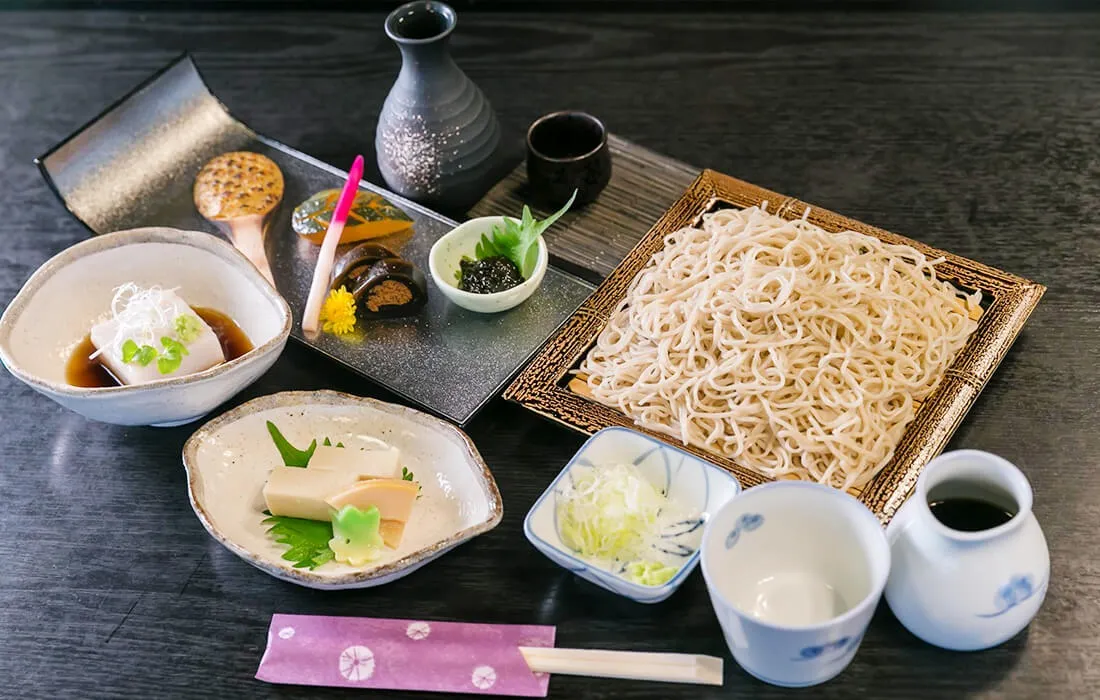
(613, 513)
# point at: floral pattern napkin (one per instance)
(357, 652)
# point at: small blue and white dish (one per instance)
(687, 480)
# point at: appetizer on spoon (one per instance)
(237, 192)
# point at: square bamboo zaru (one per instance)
(1007, 301)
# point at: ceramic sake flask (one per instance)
(970, 563)
(437, 134)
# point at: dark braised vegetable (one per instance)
(391, 287)
(488, 275)
(356, 261)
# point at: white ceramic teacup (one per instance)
(794, 571)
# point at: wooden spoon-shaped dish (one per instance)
(237, 192)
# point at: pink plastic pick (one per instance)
(446, 657)
(319, 289)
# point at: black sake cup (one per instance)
(567, 151)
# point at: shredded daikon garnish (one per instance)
(142, 315)
(613, 516)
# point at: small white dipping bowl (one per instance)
(694, 485)
(229, 459)
(58, 305)
(443, 263)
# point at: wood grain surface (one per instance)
(973, 133)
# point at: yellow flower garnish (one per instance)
(338, 312)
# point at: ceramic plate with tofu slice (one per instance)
(427, 480)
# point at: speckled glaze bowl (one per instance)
(59, 303)
(228, 461)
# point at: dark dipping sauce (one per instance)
(489, 275)
(92, 374)
(969, 514)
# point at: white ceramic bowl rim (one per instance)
(543, 258)
(324, 396)
(878, 584)
(685, 569)
(118, 239)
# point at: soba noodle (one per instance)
(786, 348)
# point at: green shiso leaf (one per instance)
(306, 540)
(518, 240)
(292, 456)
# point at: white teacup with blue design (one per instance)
(794, 572)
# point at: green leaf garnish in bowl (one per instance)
(518, 240)
(493, 263)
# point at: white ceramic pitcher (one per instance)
(967, 590)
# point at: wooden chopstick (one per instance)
(636, 665)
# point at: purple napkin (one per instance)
(361, 652)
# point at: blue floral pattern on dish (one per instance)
(746, 523)
(834, 649)
(1018, 589)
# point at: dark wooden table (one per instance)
(975, 133)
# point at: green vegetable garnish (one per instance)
(187, 327)
(167, 361)
(170, 359)
(518, 241)
(173, 346)
(130, 350)
(328, 443)
(408, 476)
(356, 539)
(307, 539)
(649, 573)
(142, 355)
(146, 355)
(292, 456)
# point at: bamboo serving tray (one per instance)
(548, 385)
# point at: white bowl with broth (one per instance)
(228, 461)
(54, 311)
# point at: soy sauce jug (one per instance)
(970, 565)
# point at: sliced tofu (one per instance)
(392, 532)
(301, 493)
(367, 464)
(204, 351)
(393, 497)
